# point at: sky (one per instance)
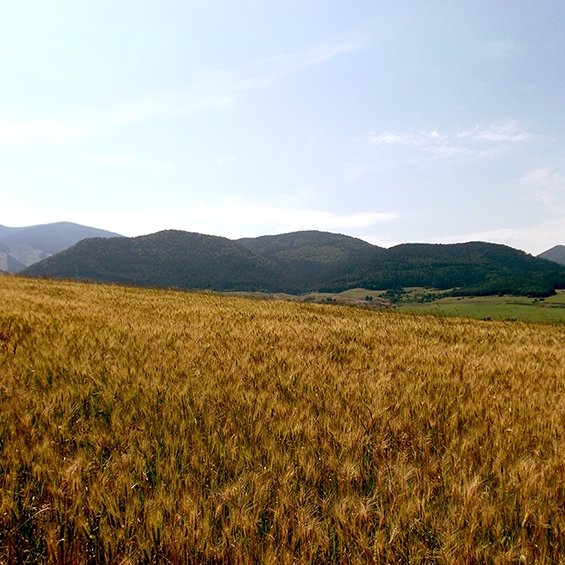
(392, 121)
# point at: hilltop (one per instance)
(23, 246)
(310, 258)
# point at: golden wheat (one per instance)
(145, 426)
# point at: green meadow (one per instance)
(522, 308)
(551, 309)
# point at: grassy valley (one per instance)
(142, 426)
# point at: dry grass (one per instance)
(142, 426)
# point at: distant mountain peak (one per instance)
(556, 254)
(23, 246)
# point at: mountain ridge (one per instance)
(301, 262)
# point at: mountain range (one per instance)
(301, 262)
(21, 247)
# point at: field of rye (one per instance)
(150, 426)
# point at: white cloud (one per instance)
(435, 143)
(479, 141)
(236, 218)
(233, 218)
(501, 131)
(422, 140)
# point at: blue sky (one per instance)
(405, 121)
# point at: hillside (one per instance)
(479, 267)
(310, 258)
(4, 230)
(169, 258)
(23, 246)
(556, 254)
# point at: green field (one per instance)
(523, 308)
(550, 309)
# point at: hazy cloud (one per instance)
(499, 131)
(232, 218)
(479, 141)
(424, 141)
(225, 84)
(547, 185)
(239, 216)
(212, 89)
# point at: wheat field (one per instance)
(152, 426)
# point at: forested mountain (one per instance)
(310, 258)
(302, 262)
(20, 247)
(169, 258)
(477, 267)
(556, 254)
